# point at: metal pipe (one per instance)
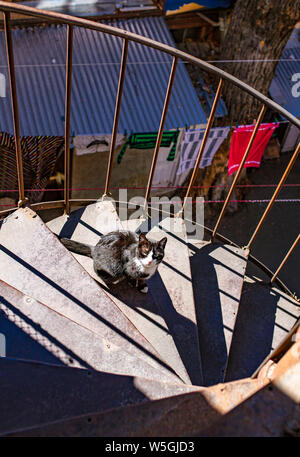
(204, 141)
(285, 259)
(260, 117)
(116, 116)
(15, 112)
(161, 129)
(278, 188)
(68, 117)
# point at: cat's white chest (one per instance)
(150, 269)
(149, 265)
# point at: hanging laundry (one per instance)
(148, 141)
(165, 172)
(239, 143)
(39, 157)
(191, 144)
(89, 144)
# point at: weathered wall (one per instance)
(89, 171)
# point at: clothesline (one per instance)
(179, 147)
(156, 62)
(153, 187)
(284, 200)
(184, 146)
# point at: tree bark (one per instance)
(258, 30)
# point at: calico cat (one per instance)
(123, 254)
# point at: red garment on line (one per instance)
(239, 143)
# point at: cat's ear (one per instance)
(162, 243)
(142, 239)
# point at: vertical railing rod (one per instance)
(204, 141)
(285, 259)
(68, 117)
(15, 112)
(278, 188)
(116, 116)
(161, 129)
(259, 120)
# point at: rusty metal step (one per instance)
(86, 226)
(132, 224)
(271, 412)
(265, 317)
(217, 273)
(69, 344)
(34, 261)
(182, 414)
(47, 393)
(143, 312)
(172, 290)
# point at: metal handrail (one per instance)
(161, 128)
(15, 111)
(68, 117)
(71, 21)
(276, 192)
(239, 171)
(117, 115)
(80, 22)
(59, 204)
(285, 259)
(203, 143)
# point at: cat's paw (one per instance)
(116, 281)
(144, 290)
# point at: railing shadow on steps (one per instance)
(70, 225)
(172, 318)
(44, 347)
(86, 308)
(128, 37)
(209, 317)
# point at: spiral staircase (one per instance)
(124, 349)
(211, 350)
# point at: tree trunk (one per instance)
(258, 32)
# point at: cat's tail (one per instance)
(78, 248)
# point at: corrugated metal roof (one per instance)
(40, 77)
(281, 89)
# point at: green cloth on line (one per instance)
(148, 141)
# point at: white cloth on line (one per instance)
(165, 171)
(89, 144)
(191, 143)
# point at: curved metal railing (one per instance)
(127, 37)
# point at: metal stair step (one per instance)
(265, 317)
(132, 224)
(34, 261)
(271, 412)
(142, 311)
(218, 273)
(172, 290)
(87, 224)
(139, 308)
(69, 343)
(183, 414)
(154, 326)
(49, 393)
